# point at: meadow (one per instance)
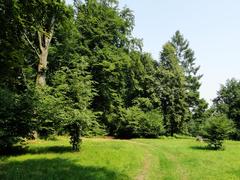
(103, 158)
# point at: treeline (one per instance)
(78, 70)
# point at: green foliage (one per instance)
(216, 129)
(92, 76)
(144, 104)
(136, 123)
(153, 126)
(186, 58)
(16, 117)
(95, 128)
(73, 87)
(172, 91)
(16, 95)
(228, 102)
(194, 126)
(46, 112)
(103, 38)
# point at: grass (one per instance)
(122, 159)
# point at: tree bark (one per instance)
(44, 42)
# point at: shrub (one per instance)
(216, 129)
(137, 123)
(153, 125)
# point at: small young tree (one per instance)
(73, 88)
(216, 129)
(71, 85)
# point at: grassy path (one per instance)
(143, 174)
(146, 168)
(139, 159)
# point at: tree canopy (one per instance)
(78, 70)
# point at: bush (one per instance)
(216, 129)
(136, 123)
(153, 125)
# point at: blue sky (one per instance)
(211, 26)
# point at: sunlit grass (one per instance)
(123, 159)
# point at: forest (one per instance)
(77, 70)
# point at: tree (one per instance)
(216, 129)
(13, 51)
(228, 102)
(16, 96)
(141, 81)
(172, 90)
(185, 56)
(70, 83)
(26, 45)
(39, 19)
(104, 38)
(16, 121)
(73, 89)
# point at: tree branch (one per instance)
(29, 42)
(40, 40)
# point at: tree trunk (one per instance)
(42, 68)
(44, 42)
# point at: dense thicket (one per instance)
(78, 70)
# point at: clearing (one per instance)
(122, 159)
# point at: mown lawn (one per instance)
(123, 159)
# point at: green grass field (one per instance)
(123, 159)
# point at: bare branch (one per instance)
(29, 42)
(40, 40)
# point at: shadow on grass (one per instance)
(199, 147)
(49, 149)
(36, 169)
(206, 148)
(13, 151)
(19, 150)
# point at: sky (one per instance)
(211, 26)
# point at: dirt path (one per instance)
(148, 157)
(142, 175)
(146, 166)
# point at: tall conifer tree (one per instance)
(186, 58)
(172, 90)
